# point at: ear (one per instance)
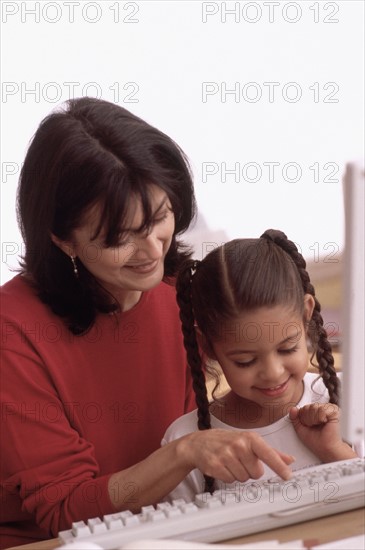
(308, 307)
(204, 344)
(66, 246)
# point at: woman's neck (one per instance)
(129, 300)
(126, 299)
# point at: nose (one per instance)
(271, 370)
(149, 246)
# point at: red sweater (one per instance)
(76, 409)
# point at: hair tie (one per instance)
(267, 237)
(274, 235)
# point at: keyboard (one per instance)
(248, 508)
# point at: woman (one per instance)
(93, 367)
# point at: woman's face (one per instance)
(137, 263)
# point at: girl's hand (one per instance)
(234, 456)
(318, 427)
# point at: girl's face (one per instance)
(263, 355)
(137, 263)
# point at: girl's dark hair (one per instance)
(242, 275)
(92, 152)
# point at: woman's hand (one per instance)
(233, 456)
(226, 455)
(318, 427)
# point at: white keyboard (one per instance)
(253, 507)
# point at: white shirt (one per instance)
(280, 435)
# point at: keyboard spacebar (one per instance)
(292, 511)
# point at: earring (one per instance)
(76, 272)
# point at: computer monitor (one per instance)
(353, 308)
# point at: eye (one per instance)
(288, 351)
(243, 364)
(124, 241)
(122, 244)
(162, 217)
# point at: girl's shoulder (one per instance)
(183, 425)
(315, 390)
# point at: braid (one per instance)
(317, 333)
(183, 288)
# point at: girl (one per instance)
(250, 306)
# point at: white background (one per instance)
(155, 58)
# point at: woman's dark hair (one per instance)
(240, 276)
(92, 152)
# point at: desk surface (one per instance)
(322, 530)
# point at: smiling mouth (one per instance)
(143, 268)
(275, 390)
